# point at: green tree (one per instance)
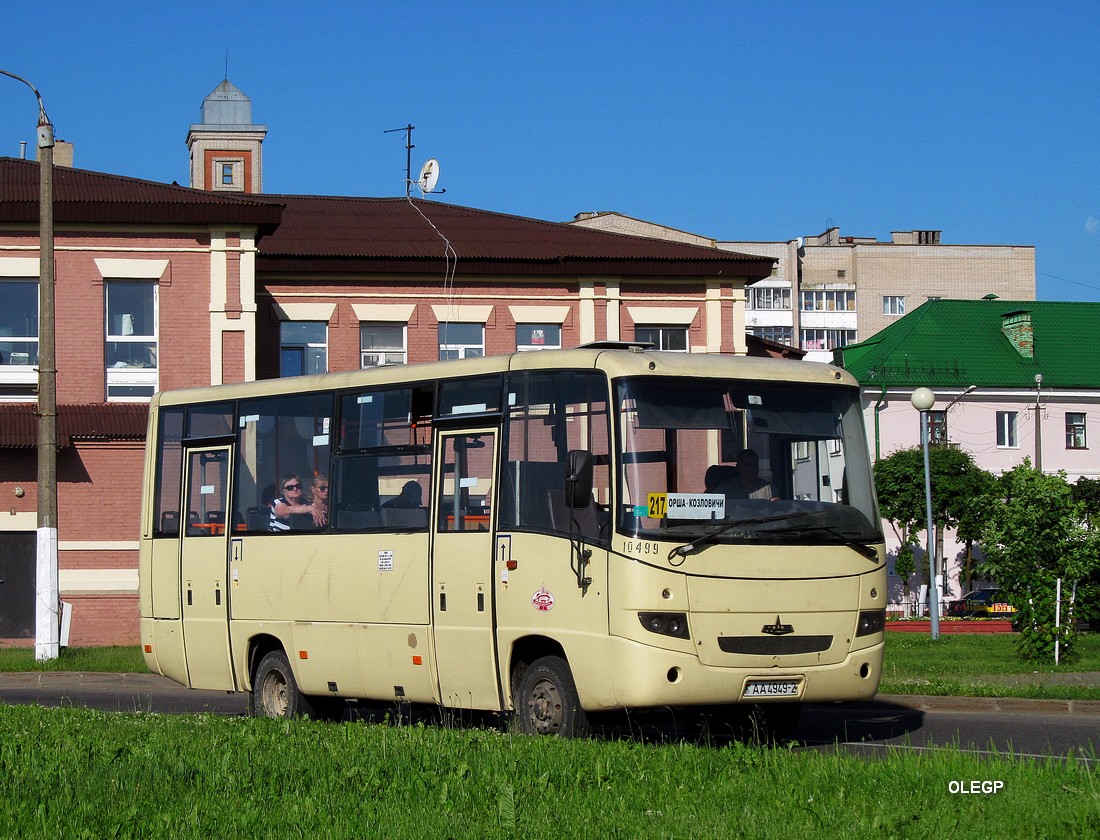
(956, 485)
(1035, 533)
(1087, 492)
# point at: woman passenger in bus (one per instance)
(319, 502)
(288, 503)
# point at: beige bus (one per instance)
(550, 534)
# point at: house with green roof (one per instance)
(1012, 380)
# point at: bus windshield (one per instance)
(744, 461)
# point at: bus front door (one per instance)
(463, 614)
(203, 568)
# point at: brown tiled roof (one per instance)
(82, 196)
(98, 421)
(397, 235)
(321, 234)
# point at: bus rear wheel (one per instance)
(275, 692)
(547, 702)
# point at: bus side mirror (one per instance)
(578, 478)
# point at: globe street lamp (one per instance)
(47, 634)
(923, 400)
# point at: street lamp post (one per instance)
(47, 636)
(923, 400)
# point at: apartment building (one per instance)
(828, 291)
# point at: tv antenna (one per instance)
(429, 173)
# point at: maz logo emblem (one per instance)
(777, 629)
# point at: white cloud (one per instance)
(1092, 225)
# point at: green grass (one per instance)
(77, 773)
(126, 660)
(982, 665)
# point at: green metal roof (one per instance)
(957, 343)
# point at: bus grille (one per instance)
(774, 646)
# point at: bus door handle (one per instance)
(217, 596)
(481, 602)
(443, 602)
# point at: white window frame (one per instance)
(823, 338)
(1007, 429)
(460, 349)
(546, 345)
(893, 305)
(664, 331)
(769, 298)
(828, 300)
(18, 380)
(142, 373)
(380, 356)
(768, 333)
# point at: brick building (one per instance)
(162, 287)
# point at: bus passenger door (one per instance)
(463, 614)
(203, 567)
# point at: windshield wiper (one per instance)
(686, 549)
(859, 547)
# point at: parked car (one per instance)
(981, 603)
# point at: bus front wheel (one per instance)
(547, 702)
(275, 692)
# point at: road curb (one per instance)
(932, 703)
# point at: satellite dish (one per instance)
(429, 175)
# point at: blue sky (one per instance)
(737, 120)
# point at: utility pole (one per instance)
(47, 622)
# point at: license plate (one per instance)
(771, 688)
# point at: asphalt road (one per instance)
(1046, 728)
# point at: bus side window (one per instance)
(551, 413)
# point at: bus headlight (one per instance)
(666, 624)
(871, 621)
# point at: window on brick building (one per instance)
(18, 338)
(664, 338)
(381, 344)
(303, 347)
(893, 304)
(131, 352)
(538, 337)
(461, 341)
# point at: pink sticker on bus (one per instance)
(543, 600)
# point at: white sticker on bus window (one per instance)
(364, 398)
(385, 561)
(320, 440)
(325, 425)
(472, 408)
(755, 400)
(249, 418)
(696, 506)
(511, 398)
(206, 490)
(468, 482)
